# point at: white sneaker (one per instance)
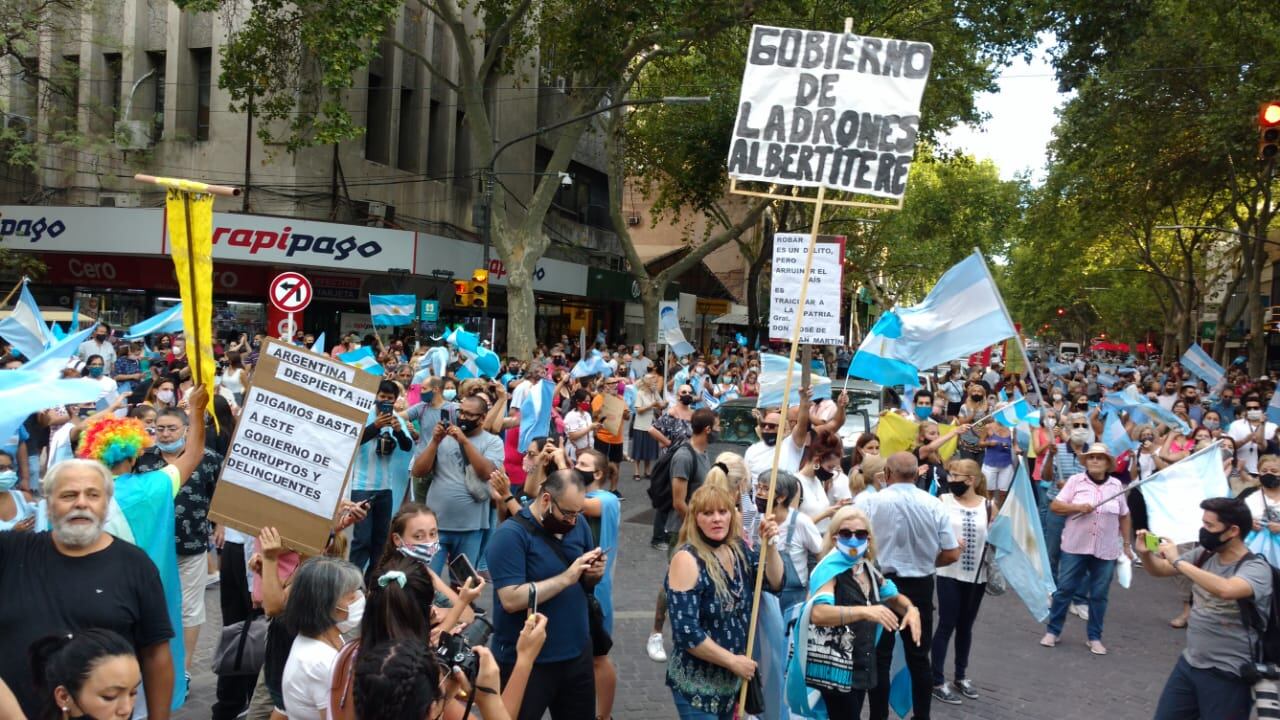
(657, 653)
(1080, 611)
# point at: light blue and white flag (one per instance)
(1013, 413)
(535, 413)
(592, 364)
(669, 330)
(1020, 551)
(25, 328)
(961, 315)
(25, 391)
(1106, 380)
(1273, 408)
(58, 333)
(392, 310)
(1114, 435)
(899, 680)
(477, 360)
(709, 401)
(1198, 362)
(1138, 404)
(773, 381)
(1174, 494)
(741, 339)
(49, 363)
(1059, 369)
(362, 358)
(318, 345)
(169, 321)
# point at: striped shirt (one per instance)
(1066, 463)
(372, 471)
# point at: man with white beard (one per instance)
(77, 577)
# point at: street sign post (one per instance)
(290, 293)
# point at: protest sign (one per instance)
(611, 413)
(829, 109)
(297, 437)
(821, 324)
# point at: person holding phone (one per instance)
(380, 475)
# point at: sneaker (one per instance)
(944, 693)
(212, 579)
(659, 545)
(967, 689)
(1096, 647)
(657, 653)
(618, 494)
(1080, 611)
(1049, 640)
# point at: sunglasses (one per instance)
(1075, 425)
(847, 534)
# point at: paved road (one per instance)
(1018, 679)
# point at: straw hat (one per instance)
(1100, 449)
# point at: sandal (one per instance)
(1178, 622)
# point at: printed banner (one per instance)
(821, 324)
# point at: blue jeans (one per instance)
(1189, 694)
(370, 535)
(1091, 574)
(454, 543)
(1053, 524)
(685, 711)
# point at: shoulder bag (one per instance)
(601, 643)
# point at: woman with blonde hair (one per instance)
(848, 598)
(929, 442)
(869, 477)
(961, 584)
(729, 471)
(709, 590)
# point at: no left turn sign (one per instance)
(290, 292)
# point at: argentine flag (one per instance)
(392, 310)
(25, 328)
(535, 413)
(773, 381)
(961, 315)
(1137, 404)
(1059, 369)
(709, 401)
(1020, 551)
(1198, 362)
(477, 360)
(590, 365)
(1014, 413)
(25, 391)
(50, 362)
(169, 321)
(1174, 494)
(363, 359)
(318, 345)
(669, 329)
(1114, 435)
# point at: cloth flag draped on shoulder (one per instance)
(962, 314)
(1198, 362)
(535, 413)
(477, 360)
(391, 310)
(1130, 399)
(672, 335)
(773, 381)
(1020, 551)
(25, 328)
(1173, 495)
(169, 321)
(363, 359)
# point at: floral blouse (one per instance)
(673, 428)
(699, 614)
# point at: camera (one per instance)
(1252, 672)
(386, 444)
(455, 649)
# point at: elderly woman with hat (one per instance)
(1097, 531)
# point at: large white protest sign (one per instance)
(821, 324)
(297, 437)
(832, 109)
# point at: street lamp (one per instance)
(484, 209)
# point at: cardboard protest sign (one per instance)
(297, 437)
(821, 324)
(611, 413)
(829, 109)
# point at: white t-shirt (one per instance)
(839, 488)
(1248, 451)
(759, 458)
(814, 499)
(1258, 505)
(577, 420)
(805, 541)
(307, 673)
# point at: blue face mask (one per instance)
(924, 411)
(8, 478)
(95, 372)
(853, 547)
(173, 447)
(449, 394)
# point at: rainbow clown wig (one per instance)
(113, 440)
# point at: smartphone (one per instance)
(384, 408)
(1152, 541)
(533, 599)
(461, 569)
(84, 412)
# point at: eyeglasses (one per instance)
(471, 416)
(1079, 425)
(847, 534)
(567, 514)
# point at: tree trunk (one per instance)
(1254, 310)
(650, 297)
(521, 259)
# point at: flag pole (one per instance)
(14, 291)
(782, 424)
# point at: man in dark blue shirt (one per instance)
(546, 556)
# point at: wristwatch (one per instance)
(1175, 562)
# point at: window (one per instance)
(157, 63)
(203, 61)
(409, 130)
(462, 151)
(377, 112)
(438, 141)
(25, 105)
(110, 92)
(66, 115)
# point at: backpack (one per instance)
(660, 477)
(1264, 623)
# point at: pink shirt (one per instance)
(1097, 533)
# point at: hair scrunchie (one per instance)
(723, 467)
(391, 575)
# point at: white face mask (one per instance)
(1253, 414)
(355, 613)
(1079, 436)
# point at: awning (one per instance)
(735, 316)
(56, 315)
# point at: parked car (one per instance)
(738, 420)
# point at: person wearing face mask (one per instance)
(579, 425)
(924, 407)
(602, 511)
(380, 474)
(162, 394)
(546, 554)
(1225, 577)
(821, 495)
(798, 537)
(1263, 499)
(1251, 432)
(326, 601)
(976, 407)
(99, 344)
(851, 604)
(673, 425)
(128, 370)
(998, 458)
(759, 455)
(17, 507)
(191, 521)
(709, 587)
(962, 584)
(95, 369)
(929, 443)
(1097, 530)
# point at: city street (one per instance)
(1017, 678)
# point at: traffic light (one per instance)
(1269, 130)
(1062, 312)
(461, 293)
(479, 288)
